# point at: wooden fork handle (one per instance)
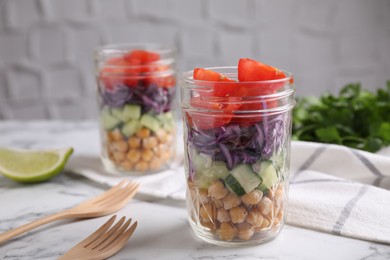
(29, 226)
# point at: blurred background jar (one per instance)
(136, 92)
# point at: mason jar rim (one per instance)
(124, 47)
(187, 76)
(231, 71)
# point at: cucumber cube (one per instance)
(131, 112)
(150, 122)
(131, 127)
(246, 177)
(268, 174)
(108, 121)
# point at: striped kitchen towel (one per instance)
(340, 190)
(333, 188)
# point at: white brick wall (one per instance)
(46, 66)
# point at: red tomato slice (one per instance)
(141, 57)
(208, 120)
(248, 119)
(250, 70)
(129, 68)
(219, 89)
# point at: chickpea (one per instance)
(155, 163)
(278, 199)
(223, 215)
(207, 212)
(162, 136)
(159, 149)
(245, 231)
(218, 203)
(203, 198)
(265, 205)
(126, 165)
(255, 218)
(141, 166)
(149, 142)
(266, 223)
(110, 155)
(231, 201)
(143, 133)
(207, 224)
(134, 142)
(280, 213)
(133, 155)
(227, 231)
(276, 222)
(147, 155)
(120, 146)
(252, 198)
(238, 214)
(116, 135)
(118, 157)
(166, 155)
(217, 190)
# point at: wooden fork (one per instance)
(106, 203)
(104, 242)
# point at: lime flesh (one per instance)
(32, 166)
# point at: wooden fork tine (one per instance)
(124, 196)
(101, 230)
(113, 189)
(105, 194)
(114, 247)
(115, 236)
(107, 235)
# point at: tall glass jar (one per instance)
(136, 91)
(237, 139)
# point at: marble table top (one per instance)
(163, 231)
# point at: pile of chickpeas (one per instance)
(144, 151)
(236, 217)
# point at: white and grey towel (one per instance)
(333, 189)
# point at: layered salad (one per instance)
(237, 136)
(136, 91)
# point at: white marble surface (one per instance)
(163, 231)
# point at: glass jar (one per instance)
(136, 92)
(237, 139)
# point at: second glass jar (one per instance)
(136, 92)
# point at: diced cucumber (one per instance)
(131, 112)
(166, 120)
(150, 122)
(234, 186)
(263, 188)
(127, 112)
(200, 162)
(131, 127)
(217, 170)
(108, 121)
(268, 174)
(244, 175)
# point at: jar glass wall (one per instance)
(237, 156)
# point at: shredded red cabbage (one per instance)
(236, 144)
(151, 98)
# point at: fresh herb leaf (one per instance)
(355, 117)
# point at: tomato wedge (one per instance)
(251, 70)
(218, 88)
(131, 67)
(141, 57)
(217, 114)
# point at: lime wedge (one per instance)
(32, 166)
